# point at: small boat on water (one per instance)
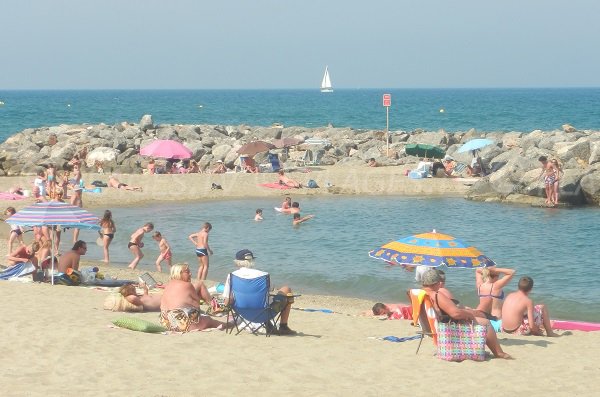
(326, 82)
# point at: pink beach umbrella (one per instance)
(165, 148)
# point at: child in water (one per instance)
(258, 216)
(165, 250)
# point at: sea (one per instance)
(329, 254)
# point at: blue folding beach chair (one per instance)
(251, 305)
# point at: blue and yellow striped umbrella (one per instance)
(431, 249)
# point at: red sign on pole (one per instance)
(387, 100)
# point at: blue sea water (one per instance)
(329, 254)
(483, 109)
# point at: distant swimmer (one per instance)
(258, 217)
(298, 219)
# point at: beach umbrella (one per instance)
(54, 213)
(167, 149)
(474, 144)
(251, 148)
(432, 250)
(286, 142)
(424, 150)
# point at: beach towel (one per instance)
(10, 196)
(18, 270)
(94, 190)
(274, 185)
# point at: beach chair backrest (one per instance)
(274, 160)
(423, 312)
(250, 298)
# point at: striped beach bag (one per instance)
(461, 341)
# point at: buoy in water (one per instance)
(442, 110)
(68, 105)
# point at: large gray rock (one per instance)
(66, 151)
(569, 187)
(502, 159)
(432, 138)
(167, 133)
(101, 154)
(220, 151)
(531, 139)
(594, 152)
(146, 122)
(508, 179)
(578, 150)
(590, 186)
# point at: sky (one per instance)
(279, 44)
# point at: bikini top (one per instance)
(490, 295)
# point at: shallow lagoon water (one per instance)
(329, 254)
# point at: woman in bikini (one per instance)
(107, 233)
(490, 289)
(550, 177)
(555, 187)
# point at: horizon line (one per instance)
(304, 89)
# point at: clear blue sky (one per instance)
(74, 44)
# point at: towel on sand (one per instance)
(275, 185)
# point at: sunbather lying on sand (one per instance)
(150, 303)
(284, 180)
(114, 182)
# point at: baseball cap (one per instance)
(244, 254)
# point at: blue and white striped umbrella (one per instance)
(55, 213)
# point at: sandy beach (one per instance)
(58, 340)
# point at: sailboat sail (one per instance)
(326, 82)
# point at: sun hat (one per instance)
(244, 255)
(430, 277)
(448, 158)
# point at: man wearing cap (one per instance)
(449, 165)
(244, 260)
(219, 168)
(447, 310)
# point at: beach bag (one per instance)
(311, 184)
(461, 341)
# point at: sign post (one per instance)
(387, 102)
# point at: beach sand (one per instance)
(57, 340)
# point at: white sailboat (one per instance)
(326, 83)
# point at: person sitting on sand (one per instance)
(244, 260)
(447, 310)
(372, 163)
(219, 168)
(70, 260)
(298, 219)
(114, 182)
(149, 302)
(284, 180)
(521, 316)
(180, 307)
(135, 244)
(151, 167)
(489, 288)
(24, 254)
(249, 165)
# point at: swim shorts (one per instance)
(179, 320)
(201, 252)
(167, 255)
(130, 244)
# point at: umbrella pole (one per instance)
(52, 253)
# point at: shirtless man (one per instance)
(114, 182)
(179, 306)
(295, 208)
(200, 240)
(284, 180)
(135, 243)
(521, 316)
(150, 303)
(70, 260)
